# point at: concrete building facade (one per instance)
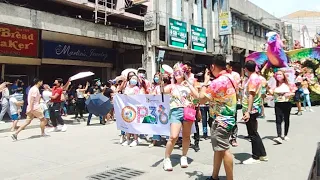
(188, 30)
(307, 23)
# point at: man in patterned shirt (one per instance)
(221, 95)
(237, 79)
(251, 110)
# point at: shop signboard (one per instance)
(178, 37)
(18, 41)
(225, 23)
(61, 50)
(198, 39)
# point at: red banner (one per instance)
(18, 41)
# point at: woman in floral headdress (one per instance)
(182, 92)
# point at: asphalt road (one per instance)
(84, 151)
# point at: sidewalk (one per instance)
(36, 122)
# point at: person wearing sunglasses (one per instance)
(182, 92)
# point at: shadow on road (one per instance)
(271, 121)
(198, 175)
(242, 157)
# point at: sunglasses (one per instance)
(178, 73)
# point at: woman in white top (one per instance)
(80, 103)
(4, 104)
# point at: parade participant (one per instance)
(80, 101)
(155, 90)
(306, 93)
(55, 115)
(282, 94)
(132, 89)
(297, 98)
(263, 93)
(237, 79)
(145, 85)
(221, 95)
(181, 94)
(190, 75)
(251, 110)
(33, 109)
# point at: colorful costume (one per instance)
(277, 57)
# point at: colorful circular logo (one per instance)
(128, 114)
(163, 118)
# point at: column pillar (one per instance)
(2, 71)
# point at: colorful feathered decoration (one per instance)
(277, 57)
(300, 54)
(275, 52)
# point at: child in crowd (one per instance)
(16, 103)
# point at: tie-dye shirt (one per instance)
(222, 99)
(253, 84)
(180, 96)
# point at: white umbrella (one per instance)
(81, 75)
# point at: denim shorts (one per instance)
(14, 117)
(46, 114)
(176, 115)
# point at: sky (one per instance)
(281, 8)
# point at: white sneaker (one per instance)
(139, 140)
(286, 138)
(278, 140)
(151, 145)
(184, 162)
(251, 161)
(54, 129)
(167, 166)
(311, 110)
(64, 128)
(134, 143)
(125, 143)
(2, 122)
(122, 139)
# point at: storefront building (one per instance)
(19, 52)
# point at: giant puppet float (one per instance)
(303, 60)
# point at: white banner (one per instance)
(143, 114)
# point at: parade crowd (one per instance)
(213, 97)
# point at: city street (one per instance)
(84, 151)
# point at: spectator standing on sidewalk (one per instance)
(5, 103)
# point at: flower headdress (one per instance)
(180, 67)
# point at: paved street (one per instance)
(84, 151)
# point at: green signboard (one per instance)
(198, 39)
(178, 34)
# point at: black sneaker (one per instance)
(14, 137)
(196, 147)
(205, 137)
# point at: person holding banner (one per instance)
(221, 94)
(182, 93)
(132, 89)
(155, 90)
